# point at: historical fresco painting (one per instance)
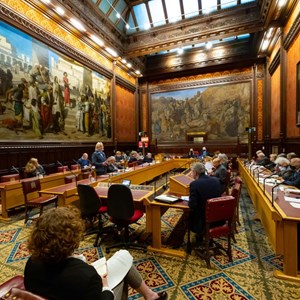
(222, 111)
(45, 95)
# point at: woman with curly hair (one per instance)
(33, 168)
(54, 272)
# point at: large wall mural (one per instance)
(46, 95)
(222, 111)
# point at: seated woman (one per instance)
(54, 272)
(33, 168)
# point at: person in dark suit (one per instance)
(54, 272)
(99, 159)
(262, 159)
(219, 171)
(148, 158)
(294, 179)
(204, 187)
(112, 166)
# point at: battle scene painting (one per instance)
(221, 111)
(47, 96)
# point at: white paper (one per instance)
(100, 266)
(186, 198)
(118, 266)
(291, 199)
(166, 198)
(295, 191)
(296, 205)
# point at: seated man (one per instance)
(148, 158)
(262, 159)
(204, 187)
(112, 166)
(134, 157)
(294, 180)
(220, 172)
(83, 161)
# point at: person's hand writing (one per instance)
(104, 280)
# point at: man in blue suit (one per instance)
(204, 187)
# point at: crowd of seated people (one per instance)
(286, 166)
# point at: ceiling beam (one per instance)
(194, 31)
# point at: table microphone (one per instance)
(273, 193)
(254, 170)
(75, 175)
(15, 169)
(267, 178)
(59, 163)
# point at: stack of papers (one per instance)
(167, 198)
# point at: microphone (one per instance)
(15, 169)
(75, 161)
(274, 174)
(260, 171)
(274, 192)
(254, 170)
(75, 175)
(59, 163)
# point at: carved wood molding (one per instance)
(200, 83)
(125, 84)
(235, 52)
(275, 63)
(20, 22)
(193, 31)
(294, 31)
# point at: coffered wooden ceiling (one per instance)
(235, 31)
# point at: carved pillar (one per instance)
(283, 67)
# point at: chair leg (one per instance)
(229, 248)
(207, 255)
(125, 243)
(188, 244)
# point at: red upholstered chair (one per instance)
(75, 167)
(236, 193)
(16, 281)
(85, 175)
(133, 164)
(120, 208)
(71, 178)
(19, 294)
(13, 289)
(91, 207)
(219, 214)
(62, 169)
(227, 182)
(32, 197)
(10, 177)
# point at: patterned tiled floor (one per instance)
(249, 276)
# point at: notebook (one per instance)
(167, 198)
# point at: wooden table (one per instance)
(12, 193)
(155, 210)
(67, 193)
(281, 222)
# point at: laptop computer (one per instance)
(126, 182)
